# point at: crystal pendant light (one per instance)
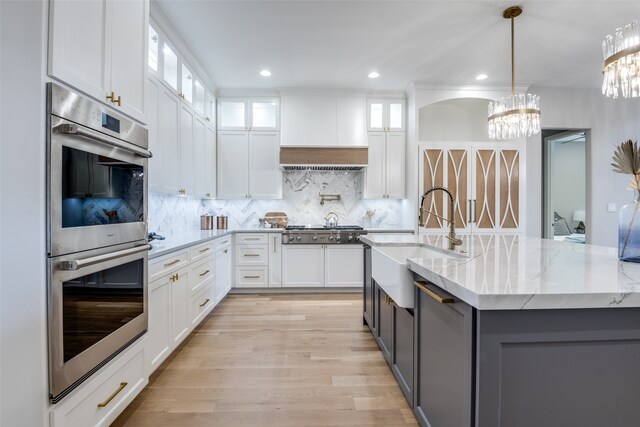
(518, 115)
(621, 68)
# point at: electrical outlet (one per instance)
(611, 207)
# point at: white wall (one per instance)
(23, 345)
(463, 119)
(611, 121)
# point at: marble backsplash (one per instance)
(301, 202)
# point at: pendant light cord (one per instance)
(513, 58)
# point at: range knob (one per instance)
(291, 238)
(330, 238)
(337, 238)
(350, 238)
(298, 238)
(314, 238)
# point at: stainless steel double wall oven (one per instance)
(96, 235)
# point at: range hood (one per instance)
(323, 158)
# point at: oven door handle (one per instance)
(73, 129)
(77, 264)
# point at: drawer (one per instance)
(222, 242)
(100, 400)
(252, 255)
(249, 277)
(201, 251)
(202, 273)
(164, 265)
(252, 239)
(201, 304)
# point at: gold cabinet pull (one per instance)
(251, 238)
(251, 254)
(208, 194)
(432, 294)
(169, 264)
(115, 393)
(274, 245)
(225, 251)
(204, 250)
(251, 277)
(226, 241)
(205, 302)
(204, 273)
(387, 299)
(174, 277)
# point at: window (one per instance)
(375, 115)
(395, 116)
(264, 114)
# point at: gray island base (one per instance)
(462, 366)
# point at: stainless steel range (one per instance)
(336, 235)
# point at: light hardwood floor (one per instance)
(275, 360)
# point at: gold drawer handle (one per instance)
(204, 250)
(251, 254)
(432, 294)
(204, 273)
(169, 264)
(387, 299)
(205, 302)
(252, 238)
(251, 277)
(115, 393)
(226, 241)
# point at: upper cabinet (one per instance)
(386, 115)
(100, 48)
(248, 114)
(323, 120)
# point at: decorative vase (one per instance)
(629, 231)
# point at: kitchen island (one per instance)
(509, 331)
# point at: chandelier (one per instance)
(622, 62)
(518, 115)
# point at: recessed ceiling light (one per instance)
(481, 77)
(373, 75)
(265, 73)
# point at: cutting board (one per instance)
(276, 219)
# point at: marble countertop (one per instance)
(507, 272)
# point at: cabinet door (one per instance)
(265, 177)
(384, 322)
(187, 170)
(77, 45)
(395, 165)
(232, 114)
(233, 165)
(128, 26)
(368, 291)
(510, 189)
(402, 350)
(302, 266)
(376, 115)
(395, 115)
(343, 266)
(158, 345)
(179, 308)
(152, 112)
(374, 187)
(443, 360)
(199, 159)
(296, 120)
(323, 129)
(275, 260)
(223, 272)
(169, 142)
(265, 114)
(351, 117)
(210, 162)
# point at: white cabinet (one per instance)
(252, 260)
(344, 265)
(248, 114)
(249, 165)
(179, 306)
(302, 266)
(322, 266)
(182, 143)
(275, 260)
(385, 174)
(159, 330)
(323, 120)
(100, 48)
(224, 266)
(386, 114)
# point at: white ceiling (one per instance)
(309, 43)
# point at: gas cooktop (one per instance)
(322, 227)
